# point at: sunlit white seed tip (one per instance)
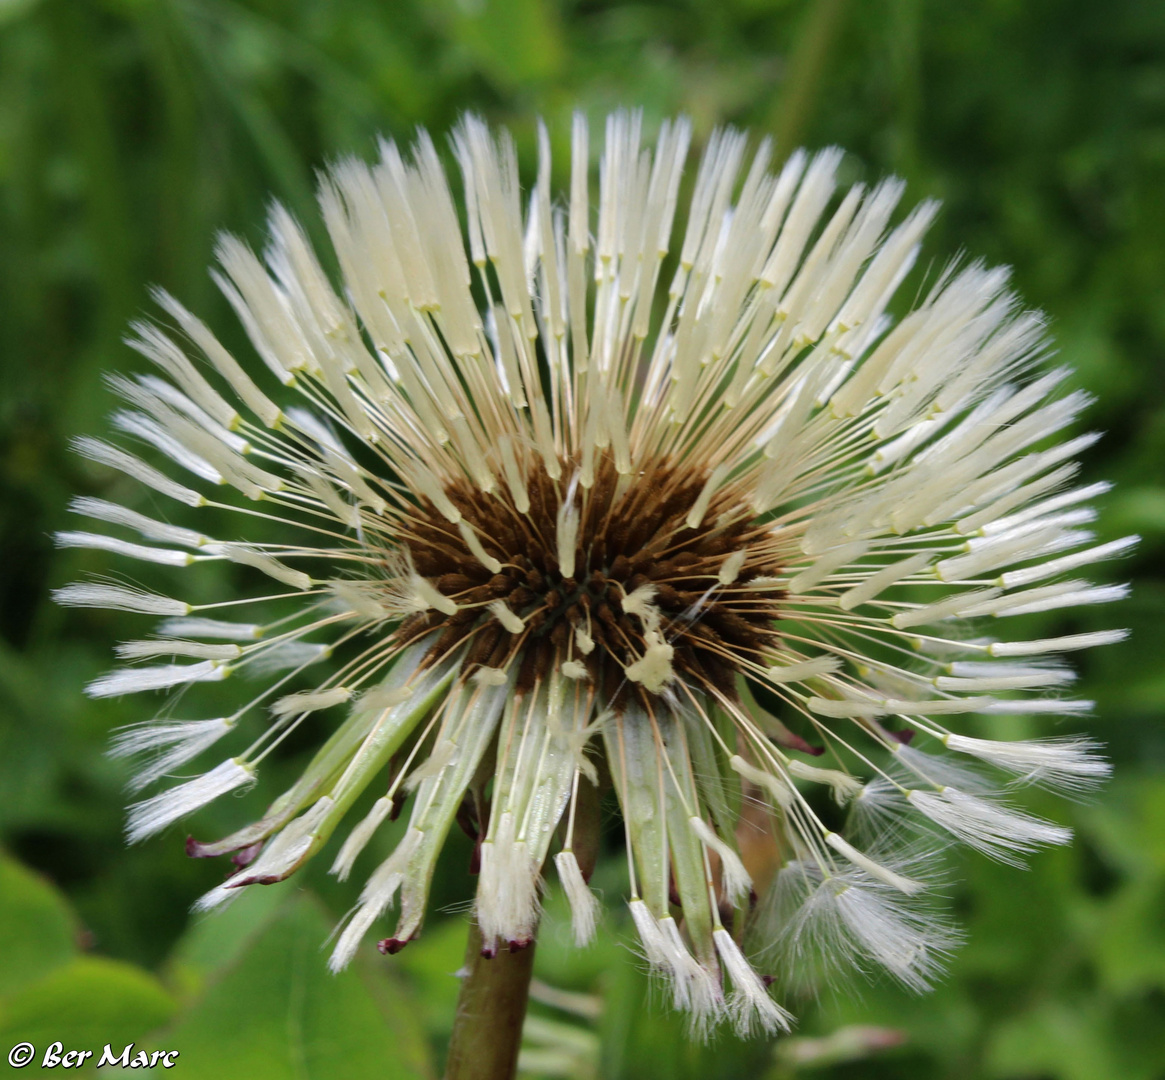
(872, 867)
(730, 569)
(488, 676)
(574, 669)
(474, 544)
(737, 882)
(427, 596)
(310, 701)
(510, 620)
(654, 669)
(843, 786)
(803, 669)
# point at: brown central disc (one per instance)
(630, 534)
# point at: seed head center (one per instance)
(648, 598)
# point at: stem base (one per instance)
(487, 1031)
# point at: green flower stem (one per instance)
(487, 1031)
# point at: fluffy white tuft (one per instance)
(507, 891)
(737, 882)
(153, 815)
(375, 898)
(118, 598)
(162, 677)
(194, 627)
(997, 830)
(749, 1005)
(358, 838)
(1070, 763)
(172, 743)
(584, 904)
(828, 923)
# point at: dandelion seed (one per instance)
(591, 517)
(1069, 763)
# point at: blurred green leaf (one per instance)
(562, 963)
(38, 932)
(1053, 1040)
(216, 940)
(274, 1011)
(87, 1003)
(1130, 942)
(1128, 826)
(432, 963)
(1138, 509)
(514, 41)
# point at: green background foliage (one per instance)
(132, 130)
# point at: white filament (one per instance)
(358, 838)
(155, 814)
(584, 904)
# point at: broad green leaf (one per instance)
(276, 1012)
(215, 941)
(85, 1004)
(37, 930)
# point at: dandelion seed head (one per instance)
(543, 482)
